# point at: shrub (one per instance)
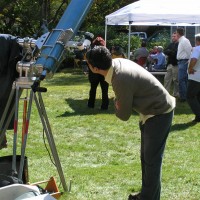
(122, 40)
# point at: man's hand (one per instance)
(191, 70)
(192, 63)
(117, 105)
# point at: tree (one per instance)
(95, 20)
(30, 17)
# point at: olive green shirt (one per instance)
(137, 89)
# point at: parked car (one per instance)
(141, 35)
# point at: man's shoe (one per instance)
(134, 196)
(4, 143)
(3, 146)
(196, 119)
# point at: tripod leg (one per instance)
(24, 118)
(47, 128)
(18, 93)
(23, 147)
(3, 127)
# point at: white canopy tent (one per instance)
(156, 13)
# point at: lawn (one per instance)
(98, 152)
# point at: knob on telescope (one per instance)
(36, 87)
(41, 89)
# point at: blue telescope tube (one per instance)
(53, 47)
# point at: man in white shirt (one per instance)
(193, 90)
(183, 55)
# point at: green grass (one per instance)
(98, 152)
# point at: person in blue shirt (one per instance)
(193, 86)
(158, 60)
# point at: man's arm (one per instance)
(188, 47)
(123, 100)
(193, 62)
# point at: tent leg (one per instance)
(106, 29)
(129, 39)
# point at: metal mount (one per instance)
(18, 86)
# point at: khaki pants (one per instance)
(172, 77)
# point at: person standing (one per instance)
(183, 55)
(172, 67)
(140, 55)
(95, 80)
(193, 89)
(137, 89)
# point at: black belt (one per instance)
(183, 60)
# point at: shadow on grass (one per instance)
(79, 107)
(182, 126)
(182, 108)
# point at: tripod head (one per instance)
(30, 74)
(25, 67)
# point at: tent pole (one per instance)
(185, 31)
(106, 33)
(129, 39)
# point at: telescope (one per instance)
(42, 57)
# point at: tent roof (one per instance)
(157, 12)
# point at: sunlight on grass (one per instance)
(100, 153)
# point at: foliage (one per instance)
(135, 43)
(33, 18)
(122, 40)
(161, 39)
(101, 8)
(27, 17)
